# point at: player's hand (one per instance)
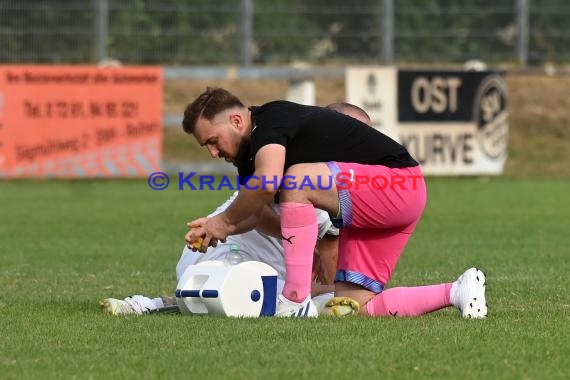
(214, 228)
(199, 244)
(197, 239)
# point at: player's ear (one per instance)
(236, 120)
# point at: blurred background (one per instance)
(270, 32)
(256, 48)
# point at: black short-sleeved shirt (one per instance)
(316, 134)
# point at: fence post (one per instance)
(246, 32)
(101, 28)
(387, 32)
(522, 32)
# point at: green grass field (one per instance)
(64, 245)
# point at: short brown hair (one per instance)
(210, 103)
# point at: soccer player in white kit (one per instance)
(254, 246)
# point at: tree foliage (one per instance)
(205, 32)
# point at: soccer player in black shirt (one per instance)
(315, 157)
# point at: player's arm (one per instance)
(261, 187)
(268, 222)
(317, 289)
(248, 224)
(327, 249)
(252, 197)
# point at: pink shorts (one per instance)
(380, 208)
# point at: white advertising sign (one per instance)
(452, 122)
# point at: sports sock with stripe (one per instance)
(299, 235)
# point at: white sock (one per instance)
(144, 304)
(453, 294)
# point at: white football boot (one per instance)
(468, 294)
(287, 308)
(134, 305)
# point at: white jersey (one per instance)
(254, 246)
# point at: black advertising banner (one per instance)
(464, 114)
(452, 122)
(437, 95)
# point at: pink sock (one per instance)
(410, 302)
(299, 235)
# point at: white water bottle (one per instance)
(234, 256)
